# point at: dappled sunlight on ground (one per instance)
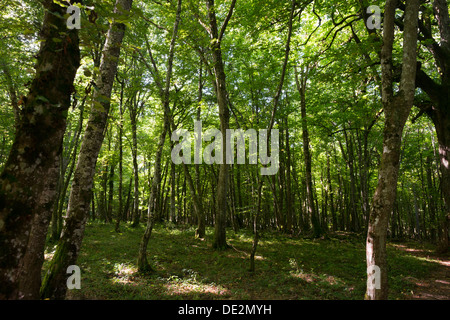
(183, 288)
(436, 286)
(124, 273)
(286, 268)
(424, 254)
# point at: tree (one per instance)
(439, 94)
(29, 178)
(310, 206)
(143, 265)
(68, 247)
(220, 86)
(397, 107)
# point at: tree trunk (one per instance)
(330, 189)
(220, 241)
(172, 193)
(439, 94)
(111, 191)
(271, 124)
(198, 206)
(397, 108)
(143, 265)
(29, 178)
(310, 207)
(443, 134)
(354, 226)
(54, 285)
(133, 117)
(289, 198)
(120, 137)
(65, 180)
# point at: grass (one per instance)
(189, 269)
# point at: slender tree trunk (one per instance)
(66, 178)
(126, 209)
(198, 206)
(271, 124)
(111, 191)
(416, 212)
(136, 214)
(311, 208)
(28, 180)
(397, 108)
(54, 285)
(143, 265)
(354, 226)
(93, 205)
(289, 199)
(330, 189)
(255, 226)
(120, 137)
(172, 193)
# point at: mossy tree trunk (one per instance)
(54, 284)
(29, 179)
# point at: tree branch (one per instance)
(227, 19)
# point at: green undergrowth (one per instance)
(189, 269)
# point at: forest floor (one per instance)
(287, 268)
(437, 285)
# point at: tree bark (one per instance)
(54, 285)
(133, 118)
(311, 208)
(29, 178)
(289, 199)
(220, 241)
(397, 108)
(330, 189)
(120, 137)
(198, 206)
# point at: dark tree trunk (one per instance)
(29, 178)
(330, 189)
(220, 86)
(54, 285)
(133, 118)
(310, 206)
(439, 94)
